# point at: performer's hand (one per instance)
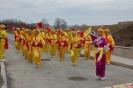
(90, 42)
(62, 43)
(108, 44)
(76, 45)
(63, 39)
(98, 63)
(36, 43)
(55, 41)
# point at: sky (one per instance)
(89, 12)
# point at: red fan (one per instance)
(40, 24)
(74, 29)
(81, 34)
(11, 28)
(59, 31)
(24, 26)
(48, 29)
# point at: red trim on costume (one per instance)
(6, 44)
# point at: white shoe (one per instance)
(102, 78)
(97, 77)
(60, 59)
(38, 66)
(3, 60)
(28, 61)
(75, 65)
(108, 63)
(35, 66)
(71, 63)
(51, 57)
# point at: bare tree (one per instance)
(74, 26)
(44, 22)
(83, 25)
(60, 23)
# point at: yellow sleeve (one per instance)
(100, 56)
(42, 40)
(112, 41)
(26, 37)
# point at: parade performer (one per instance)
(100, 29)
(74, 48)
(28, 42)
(46, 38)
(110, 43)
(80, 35)
(23, 42)
(68, 35)
(102, 48)
(17, 38)
(3, 41)
(53, 43)
(87, 46)
(37, 44)
(62, 44)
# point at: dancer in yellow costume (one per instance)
(28, 42)
(110, 43)
(74, 48)
(53, 44)
(37, 45)
(87, 46)
(81, 39)
(23, 42)
(68, 35)
(3, 37)
(62, 43)
(46, 39)
(17, 38)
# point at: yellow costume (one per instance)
(28, 42)
(68, 35)
(3, 37)
(17, 39)
(37, 44)
(110, 43)
(62, 44)
(87, 46)
(74, 48)
(46, 38)
(53, 43)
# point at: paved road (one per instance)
(55, 73)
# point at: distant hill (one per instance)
(121, 32)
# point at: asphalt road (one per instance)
(55, 73)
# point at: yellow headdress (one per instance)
(78, 31)
(2, 26)
(18, 29)
(67, 29)
(41, 29)
(100, 30)
(106, 30)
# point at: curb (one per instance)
(114, 63)
(122, 64)
(3, 74)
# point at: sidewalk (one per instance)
(117, 60)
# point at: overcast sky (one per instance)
(89, 12)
